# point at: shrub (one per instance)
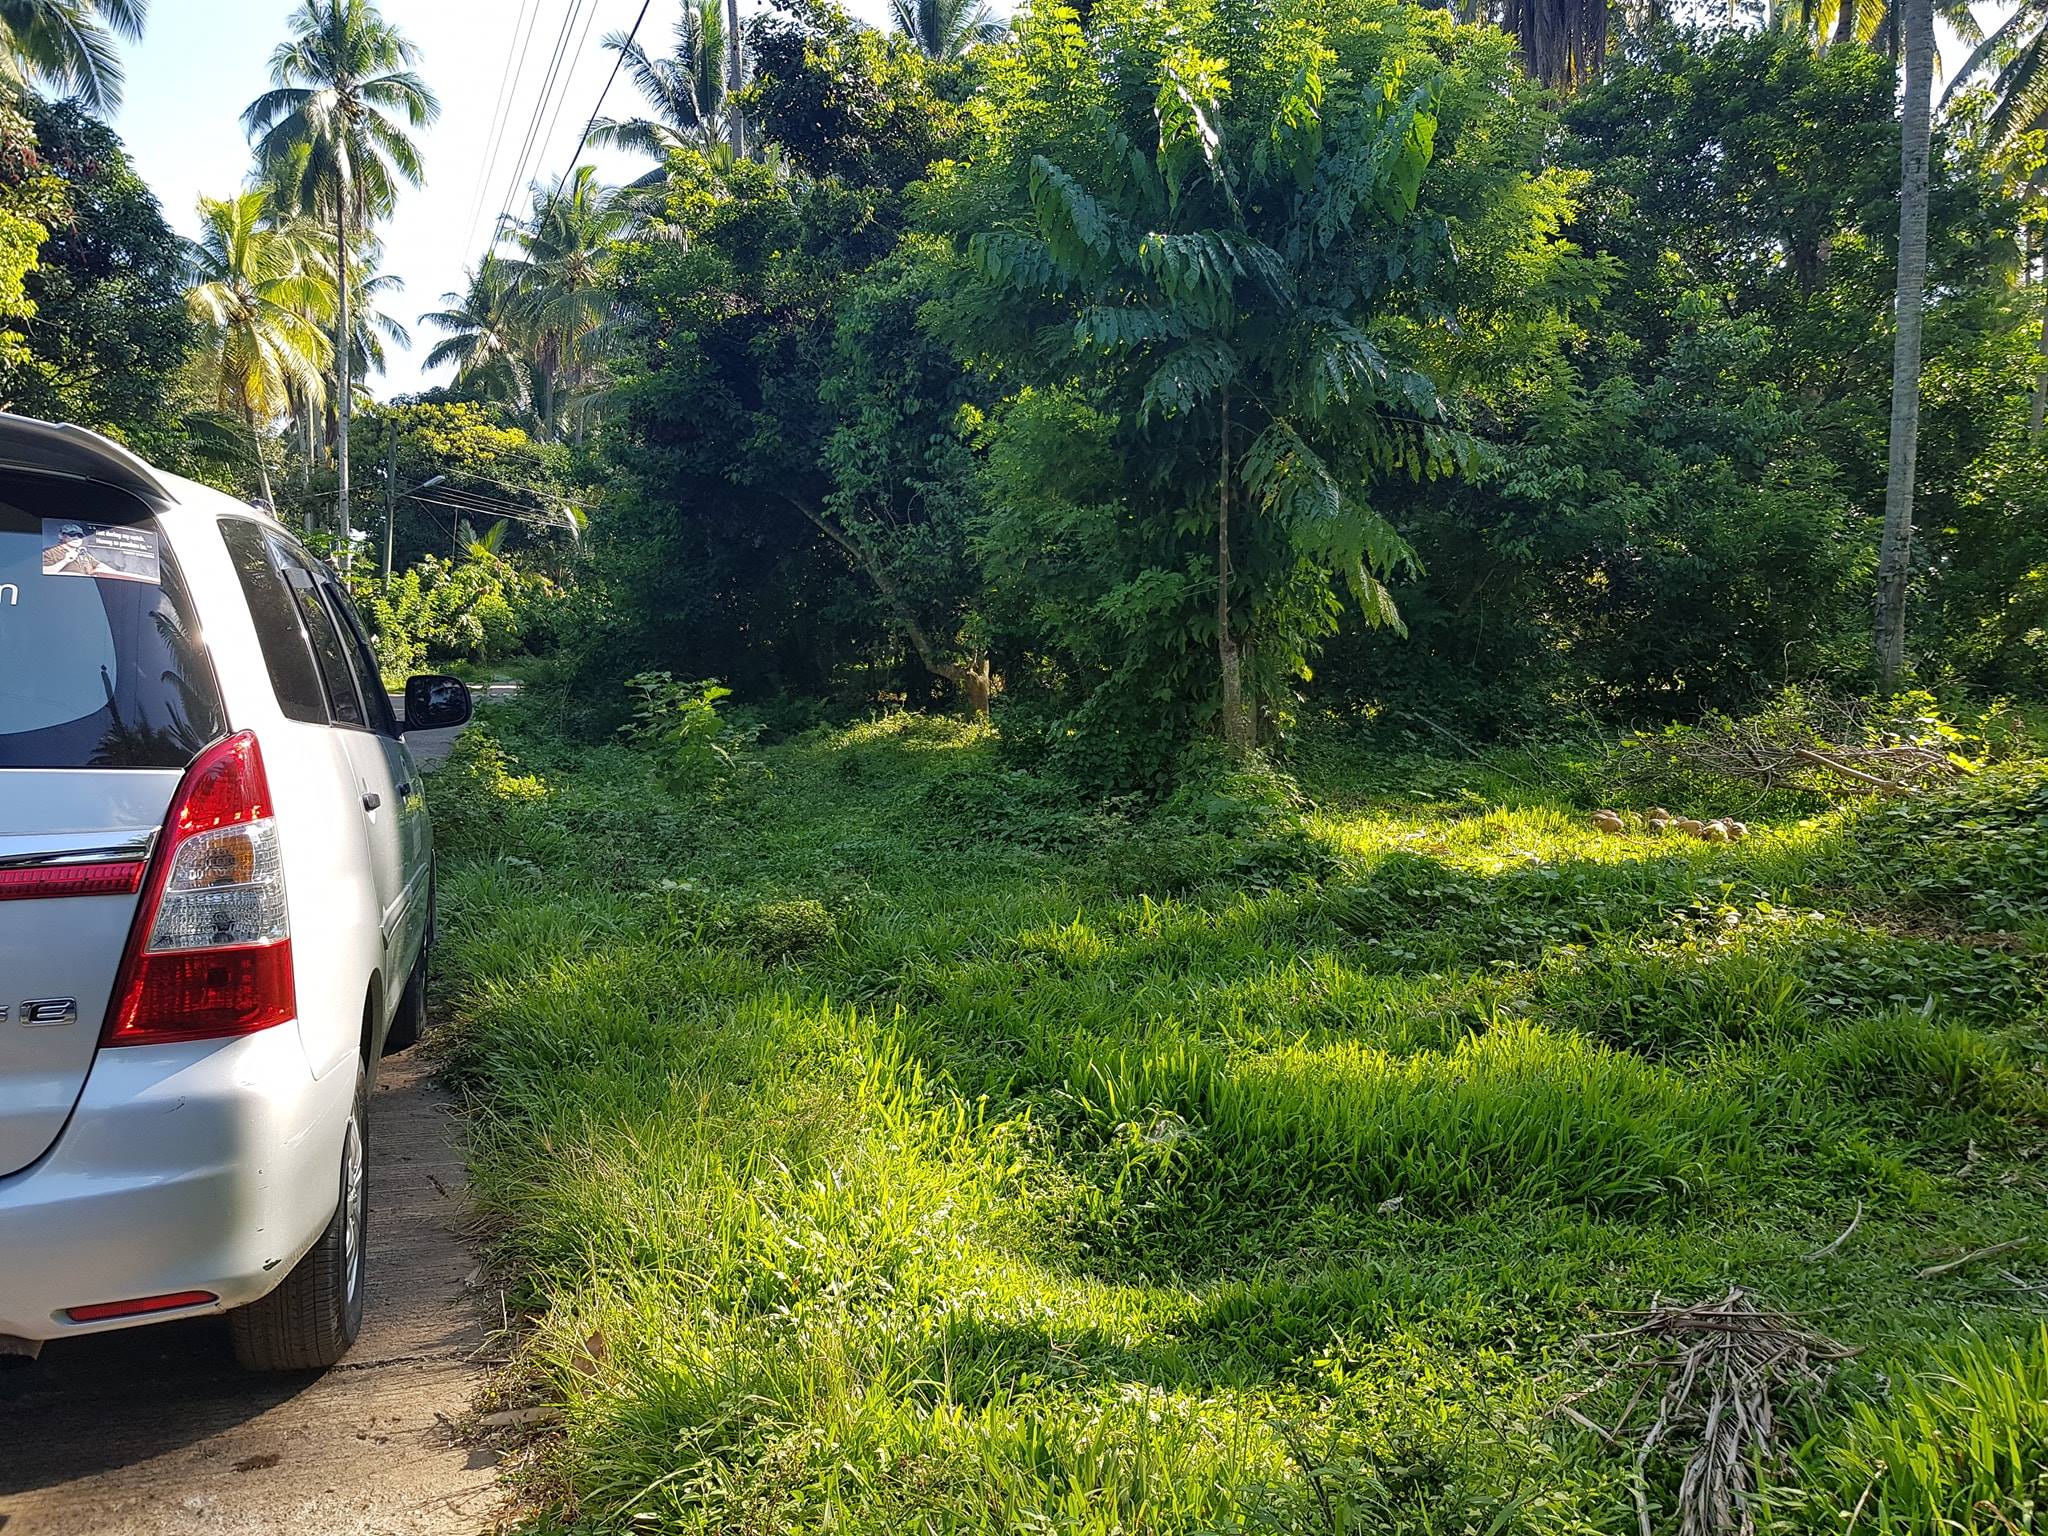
(778, 929)
(678, 725)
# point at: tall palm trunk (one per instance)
(2040, 416)
(735, 122)
(1236, 723)
(343, 331)
(1895, 554)
(262, 468)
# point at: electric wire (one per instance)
(508, 90)
(610, 80)
(542, 103)
(563, 100)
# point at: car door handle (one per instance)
(371, 800)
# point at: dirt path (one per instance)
(154, 1432)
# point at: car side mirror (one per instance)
(436, 703)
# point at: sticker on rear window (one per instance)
(104, 550)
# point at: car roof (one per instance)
(55, 448)
(26, 443)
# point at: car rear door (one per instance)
(106, 695)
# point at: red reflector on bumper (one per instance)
(70, 880)
(142, 1306)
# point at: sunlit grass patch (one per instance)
(898, 1143)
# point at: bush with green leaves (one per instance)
(1235, 266)
(483, 607)
(677, 725)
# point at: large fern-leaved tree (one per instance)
(1236, 263)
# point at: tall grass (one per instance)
(893, 1144)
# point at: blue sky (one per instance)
(203, 61)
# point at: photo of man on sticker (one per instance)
(99, 550)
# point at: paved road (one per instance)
(155, 1432)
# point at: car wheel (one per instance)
(309, 1322)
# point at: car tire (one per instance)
(309, 1322)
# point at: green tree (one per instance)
(946, 29)
(1222, 244)
(258, 305)
(481, 336)
(344, 92)
(110, 335)
(69, 45)
(557, 274)
(686, 90)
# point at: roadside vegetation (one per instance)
(882, 1138)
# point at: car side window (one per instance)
(337, 677)
(363, 658)
(287, 653)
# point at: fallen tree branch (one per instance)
(1836, 1246)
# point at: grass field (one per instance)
(893, 1142)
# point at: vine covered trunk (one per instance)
(1236, 722)
(1895, 554)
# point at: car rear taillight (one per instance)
(211, 951)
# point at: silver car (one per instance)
(216, 903)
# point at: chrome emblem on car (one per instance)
(47, 1012)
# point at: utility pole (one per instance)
(390, 492)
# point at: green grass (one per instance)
(892, 1142)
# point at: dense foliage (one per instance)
(1575, 416)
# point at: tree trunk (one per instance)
(1845, 22)
(974, 678)
(1895, 554)
(262, 469)
(2040, 415)
(1236, 725)
(735, 121)
(342, 338)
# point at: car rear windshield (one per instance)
(101, 664)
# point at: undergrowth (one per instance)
(894, 1141)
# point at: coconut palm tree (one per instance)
(480, 336)
(2013, 61)
(946, 29)
(685, 90)
(259, 306)
(559, 292)
(68, 45)
(344, 93)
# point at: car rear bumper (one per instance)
(210, 1166)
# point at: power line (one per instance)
(555, 121)
(610, 80)
(501, 114)
(540, 109)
